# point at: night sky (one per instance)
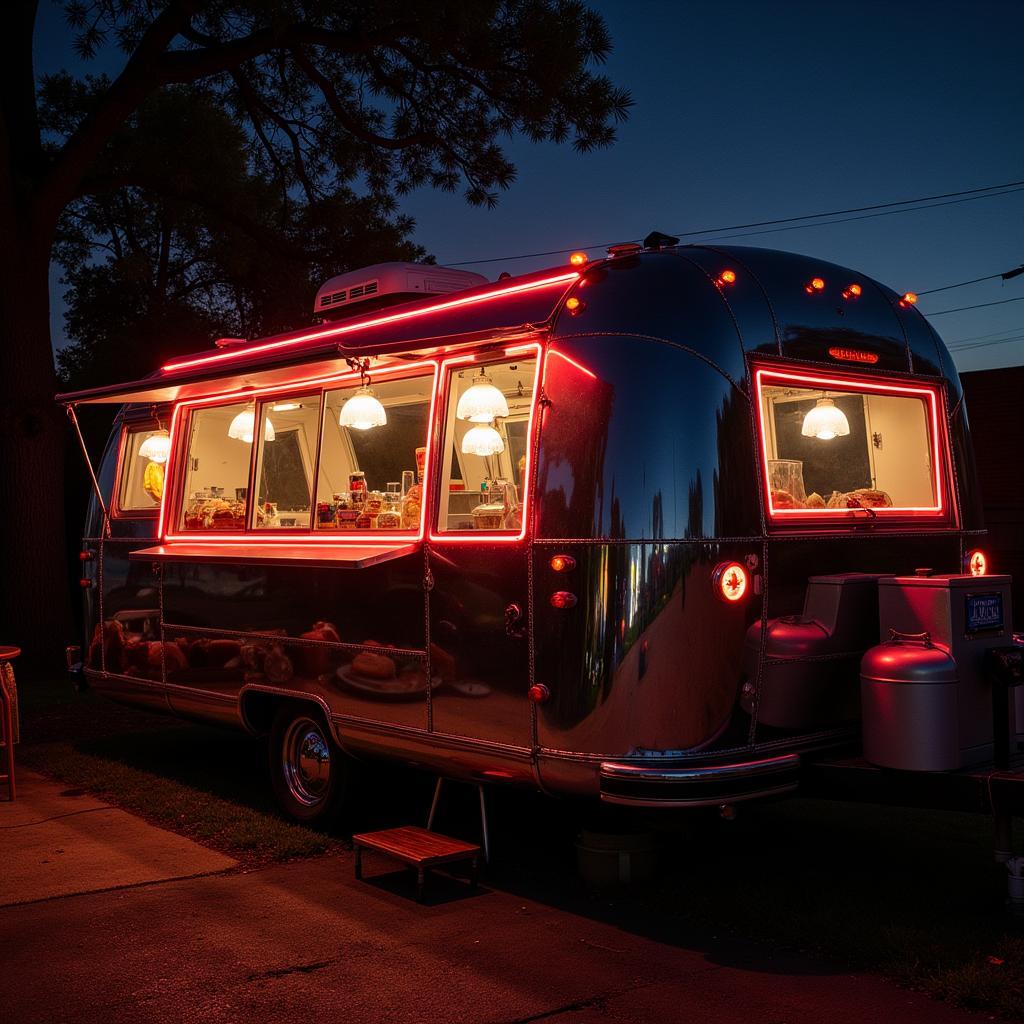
(750, 111)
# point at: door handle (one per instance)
(513, 622)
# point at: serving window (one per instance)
(285, 462)
(218, 454)
(486, 446)
(837, 447)
(140, 488)
(373, 456)
(346, 460)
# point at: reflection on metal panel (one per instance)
(648, 659)
(657, 446)
(479, 650)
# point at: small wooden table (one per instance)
(419, 848)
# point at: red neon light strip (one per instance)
(488, 536)
(312, 536)
(333, 332)
(846, 384)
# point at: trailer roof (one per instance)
(509, 307)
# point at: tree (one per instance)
(151, 277)
(329, 95)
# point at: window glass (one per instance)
(217, 467)
(839, 448)
(144, 459)
(285, 460)
(371, 473)
(486, 442)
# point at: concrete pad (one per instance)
(56, 843)
(303, 942)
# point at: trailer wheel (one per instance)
(309, 773)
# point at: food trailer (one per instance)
(678, 527)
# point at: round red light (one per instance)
(563, 599)
(538, 693)
(731, 581)
(577, 259)
(977, 563)
(563, 563)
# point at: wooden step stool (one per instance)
(420, 849)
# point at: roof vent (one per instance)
(387, 284)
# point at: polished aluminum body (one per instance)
(646, 474)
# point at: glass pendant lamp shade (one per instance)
(363, 411)
(482, 440)
(825, 421)
(482, 402)
(156, 447)
(243, 426)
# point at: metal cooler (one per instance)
(925, 700)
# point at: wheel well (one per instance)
(260, 708)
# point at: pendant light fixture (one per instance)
(482, 440)
(156, 447)
(825, 421)
(243, 426)
(481, 402)
(363, 410)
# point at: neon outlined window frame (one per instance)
(939, 513)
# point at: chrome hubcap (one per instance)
(306, 758)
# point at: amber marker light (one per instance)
(853, 291)
(816, 284)
(731, 581)
(726, 277)
(977, 563)
(563, 563)
(908, 299)
(577, 259)
(574, 305)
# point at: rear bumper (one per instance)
(640, 785)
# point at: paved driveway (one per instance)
(305, 942)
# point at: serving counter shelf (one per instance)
(341, 556)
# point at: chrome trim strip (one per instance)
(452, 740)
(740, 770)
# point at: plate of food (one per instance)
(377, 675)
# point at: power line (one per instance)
(864, 216)
(978, 305)
(985, 344)
(1006, 275)
(991, 334)
(975, 192)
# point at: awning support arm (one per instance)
(88, 465)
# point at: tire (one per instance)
(310, 776)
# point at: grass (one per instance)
(912, 894)
(207, 784)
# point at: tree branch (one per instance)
(337, 108)
(128, 90)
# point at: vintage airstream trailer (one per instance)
(617, 528)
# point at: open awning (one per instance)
(510, 310)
